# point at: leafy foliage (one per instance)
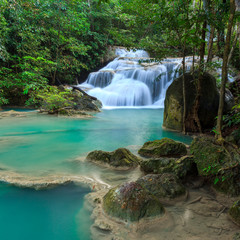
(49, 42)
(52, 99)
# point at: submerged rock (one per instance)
(173, 105)
(180, 167)
(163, 148)
(120, 158)
(12, 113)
(221, 163)
(234, 212)
(165, 185)
(131, 202)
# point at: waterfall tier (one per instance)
(132, 80)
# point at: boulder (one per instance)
(234, 137)
(234, 212)
(173, 105)
(131, 202)
(165, 185)
(85, 103)
(220, 163)
(180, 167)
(234, 86)
(163, 148)
(120, 158)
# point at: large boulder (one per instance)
(120, 158)
(209, 100)
(163, 148)
(162, 186)
(234, 212)
(220, 163)
(180, 167)
(131, 202)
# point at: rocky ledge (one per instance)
(74, 102)
(165, 147)
(121, 159)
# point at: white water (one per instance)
(125, 82)
(134, 80)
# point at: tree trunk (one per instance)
(184, 93)
(234, 43)
(199, 81)
(210, 46)
(225, 71)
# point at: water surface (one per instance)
(39, 145)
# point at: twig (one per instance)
(195, 200)
(221, 212)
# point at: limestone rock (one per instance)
(131, 202)
(234, 212)
(222, 164)
(120, 158)
(165, 185)
(173, 105)
(163, 148)
(180, 167)
(234, 137)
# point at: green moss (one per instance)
(164, 147)
(221, 164)
(180, 167)
(131, 202)
(121, 157)
(234, 212)
(165, 185)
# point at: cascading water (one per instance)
(132, 80)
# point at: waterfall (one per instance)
(132, 80)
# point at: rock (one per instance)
(85, 103)
(229, 100)
(12, 113)
(211, 157)
(73, 101)
(236, 236)
(163, 148)
(165, 185)
(173, 105)
(131, 202)
(180, 167)
(219, 163)
(120, 158)
(234, 212)
(234, 86)
(234, 137)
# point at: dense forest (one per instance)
(45, 42)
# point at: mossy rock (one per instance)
(131, 202)
(120, 158)
(234, 137)
(211, 157)
(180, 167)
(165, 147)
(234, 212)
(236, 236)
(165, 185)
(221, 164)
(173, 104)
